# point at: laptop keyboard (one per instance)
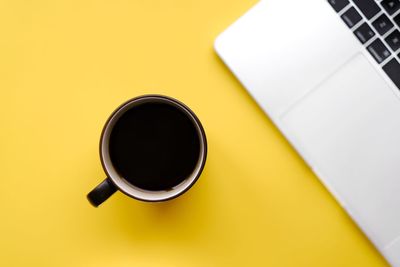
(376, 24)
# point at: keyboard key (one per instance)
(364, 33)
(397, 20)
(351, 17)
(379, 51)
(338, 4)
(382, 24)
(393, 40)
(391, 6)
(392, 69)
(368, 7)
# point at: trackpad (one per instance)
(349, 130)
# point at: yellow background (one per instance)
(65, 66)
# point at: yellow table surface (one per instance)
(64, 67)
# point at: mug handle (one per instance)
(101, 192)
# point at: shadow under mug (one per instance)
(115, 182)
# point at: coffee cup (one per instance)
(152, 148)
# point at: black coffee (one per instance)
(154, 146)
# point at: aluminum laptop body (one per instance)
(328, 75)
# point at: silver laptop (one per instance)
(327, 73)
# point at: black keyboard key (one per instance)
(351, 17)
(368, 7)
(397, 20)
(364, 33)
(379, 51)
(338, 4)
(392, 69)
(393, 40)
(391, 6)
(382, 24)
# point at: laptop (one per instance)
(327, 73)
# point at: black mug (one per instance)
(152, 148)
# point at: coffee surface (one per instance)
(154, 146)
